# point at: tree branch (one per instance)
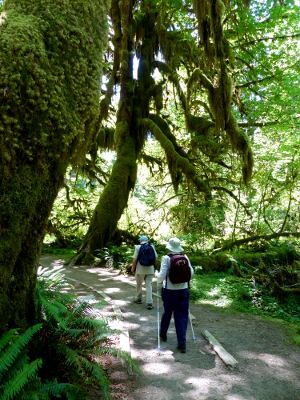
(182, 162)
(258, 81)
(259, 237)
(233, 196)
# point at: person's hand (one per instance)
(133, 269)
(156, 273)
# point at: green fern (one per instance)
(10, 354)
(73, 330)
(118, 353)
(15, 385)
(7, 337)
(56, 389)
(19, 380)
(71, 337)
(72, 333)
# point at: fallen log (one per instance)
(228, 360)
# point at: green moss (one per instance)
(240, 142)
(50, 66)
(219, 8)
(175, 160)
(105, 138)
(121, 132)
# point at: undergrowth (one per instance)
(52, 248)
(60, 356)
(233, 294)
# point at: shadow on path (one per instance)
(269, 367)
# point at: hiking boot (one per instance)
(181, 348)
(150, 306)
(163, 337)
(137, 301)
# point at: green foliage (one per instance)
(202, 91)
(72, 336)
(232, 294)
(52, 248)
(115, 256)
(19, 377)
(74, 205)
(70, 333)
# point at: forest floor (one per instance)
(268, 365)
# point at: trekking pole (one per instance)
(158, 337)
(194, 338)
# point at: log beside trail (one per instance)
(228, 360)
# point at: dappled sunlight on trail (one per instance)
(268, 367)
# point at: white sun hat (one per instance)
(174, 245)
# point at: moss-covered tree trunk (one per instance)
(112, 202)
(50, 70)
(115, 195)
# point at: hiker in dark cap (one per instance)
(175, 267)
(143, 266)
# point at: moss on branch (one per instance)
(177, 160)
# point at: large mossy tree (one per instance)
(50, 74)
(223, 63)
(160, 34)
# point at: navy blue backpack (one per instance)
(146, 256)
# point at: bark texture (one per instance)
(50, 70)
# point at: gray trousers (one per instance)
(140, 278)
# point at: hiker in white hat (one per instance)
(143, 266)
(175, 273)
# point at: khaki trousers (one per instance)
(140, 278)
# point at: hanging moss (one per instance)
(228, 52)
(106, 138)
(177, 160)
(219, 8)
(164, 127)
(240, 142)
(199, 124)
(209, 15)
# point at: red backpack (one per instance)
(179, 271)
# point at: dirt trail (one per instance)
(269, 367)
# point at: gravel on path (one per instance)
(268, 369)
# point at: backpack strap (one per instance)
(170, 255)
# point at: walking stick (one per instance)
(158, 337)
(194, 338)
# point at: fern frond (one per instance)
(97, 372)
(53, 283)
(49, 275)
(11, 353)
(94, 324)
(55, 310)
(21, 360)
(70, 354)
(76, 333)
(33, 395)
(84, 366)
(7, 337)
(14, 386)
(83, 308)
(75, 394)
(118, 353)
(56, 389)
(31, 391)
